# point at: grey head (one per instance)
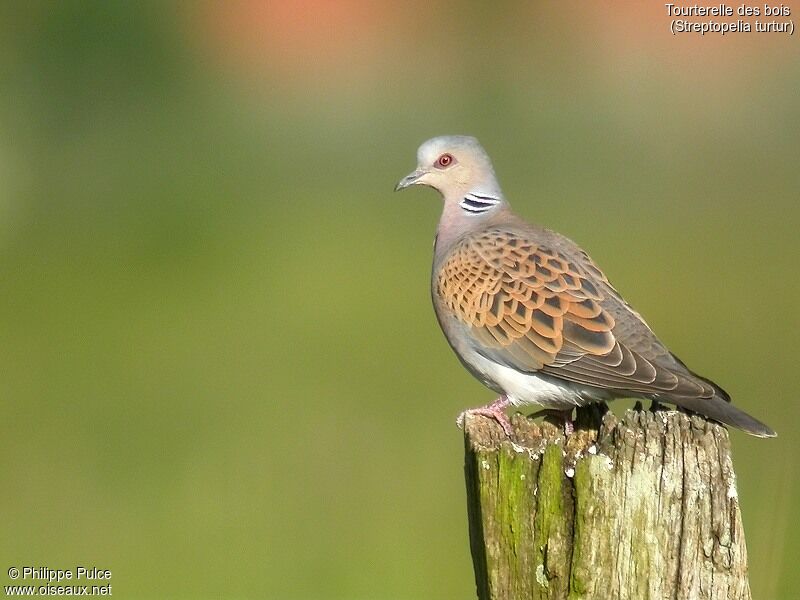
(457, 167)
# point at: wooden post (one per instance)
(642, 507)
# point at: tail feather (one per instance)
(720, 409)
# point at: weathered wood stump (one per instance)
(642, 507)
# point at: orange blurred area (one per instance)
(304, 41)
(299, 37)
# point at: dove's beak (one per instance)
(410, 179)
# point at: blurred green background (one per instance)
(221, 375)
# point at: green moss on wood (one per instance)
(646, 515)
(551, 524)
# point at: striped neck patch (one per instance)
(477, 204)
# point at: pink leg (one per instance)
(495, 410)
(565, 416)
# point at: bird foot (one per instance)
(495, 410)
(565, 416)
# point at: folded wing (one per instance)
(537, 308)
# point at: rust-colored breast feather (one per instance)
(532, 301)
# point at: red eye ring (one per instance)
(444, 161)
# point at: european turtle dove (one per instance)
(529, 313)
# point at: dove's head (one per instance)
(457, 167)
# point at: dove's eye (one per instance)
(444, 161)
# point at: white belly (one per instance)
(520, 387)
(523, 388)
(533, 388)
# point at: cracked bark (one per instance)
(638, 507)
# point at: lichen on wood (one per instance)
(639, 507)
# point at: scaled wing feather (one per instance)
(539, 308)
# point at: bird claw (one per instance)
(495, 411)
